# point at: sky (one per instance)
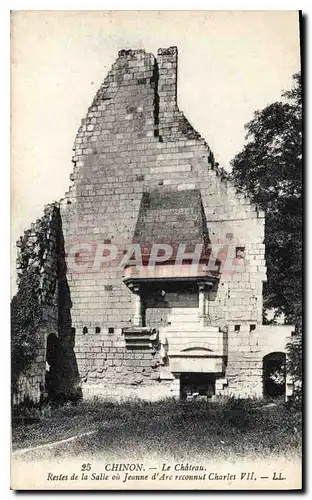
(231, 63)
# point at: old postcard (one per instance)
(156, 312)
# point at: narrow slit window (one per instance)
(240, 252)
(237, 328)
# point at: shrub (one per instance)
(294, 368)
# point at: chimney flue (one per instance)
(167, 60)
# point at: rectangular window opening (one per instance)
(240, 252)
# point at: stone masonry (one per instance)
(135, 141)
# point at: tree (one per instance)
(269, 170)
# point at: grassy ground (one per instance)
(230, 428)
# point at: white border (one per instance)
(5, 7)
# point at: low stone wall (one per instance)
(104, 358)
(246, 350)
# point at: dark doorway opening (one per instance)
(274, 374)
(197, 385)
(53, 356)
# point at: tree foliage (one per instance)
(269, 169)
(294, 365)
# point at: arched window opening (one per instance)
(274, 374)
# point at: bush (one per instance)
(294, 368)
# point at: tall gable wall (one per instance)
(134, 139)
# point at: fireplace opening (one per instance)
(197, 386)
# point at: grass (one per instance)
(229, 428)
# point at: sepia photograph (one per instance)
(156, 250)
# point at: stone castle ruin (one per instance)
(144, 177)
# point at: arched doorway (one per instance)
(274, 374)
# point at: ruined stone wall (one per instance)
(41, 267)
(29, 384)
(134, 139)
(37, 264)
(247, 349)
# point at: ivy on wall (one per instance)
(37, 273)
(25, 318)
